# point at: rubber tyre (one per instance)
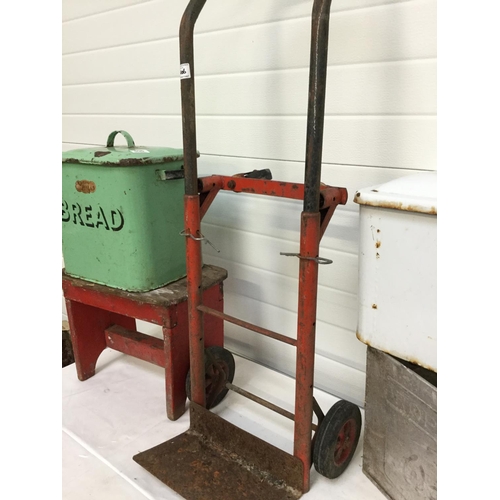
(225, 359)
(336, 439)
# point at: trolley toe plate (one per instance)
(216, 459)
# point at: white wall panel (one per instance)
(389, 141)
(68, 146)
(263, 252)
(120, 71)
(75, 9)
(279, 218)
(337, 375)
(285, 322)
(392, 32)
(393, 88)
(269, 288)
(152, 20)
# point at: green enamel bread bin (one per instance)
(122, 215)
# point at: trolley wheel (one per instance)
(224, 360)
(336, 439)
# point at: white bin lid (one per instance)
(412, 193)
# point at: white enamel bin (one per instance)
(397, 268)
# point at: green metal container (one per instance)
(122, 212)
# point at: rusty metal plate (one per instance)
(216, 459)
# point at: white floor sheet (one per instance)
(121, 411)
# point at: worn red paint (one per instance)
(345, 442)
(329, 196)
(195, 316)
(101, 317)
(310, 231)
(313, 226)
(135, 344)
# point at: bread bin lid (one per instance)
(122, 156)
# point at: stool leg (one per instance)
(176, 342)
(87, 325)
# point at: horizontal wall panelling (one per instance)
(393, 32)
(387, 88)
(76, 9)
(389, 141)
(154, 20)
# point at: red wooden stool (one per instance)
(100, 317)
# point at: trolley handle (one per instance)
(316, 105)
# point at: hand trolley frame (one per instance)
(214, 458)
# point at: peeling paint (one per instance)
(395, 353)
(85, 187)
(398, 206)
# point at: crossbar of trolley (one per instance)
(247, 325)
(264, 402)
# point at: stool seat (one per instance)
(100, 316)
(166, 296)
